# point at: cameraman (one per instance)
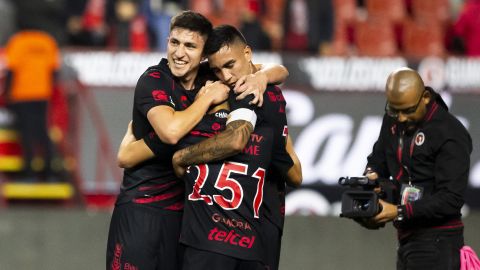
(425, 150)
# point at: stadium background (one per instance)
(335, 103)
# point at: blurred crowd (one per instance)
(414, 28)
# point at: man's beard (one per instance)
(409, 127)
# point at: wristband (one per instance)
(243, 114)
(400, 213)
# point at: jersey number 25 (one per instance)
(224, 181)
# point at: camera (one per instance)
(360, 200)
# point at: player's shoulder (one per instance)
(273, 94)
(161, 71)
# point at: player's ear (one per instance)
(427, 95)
(248, 53)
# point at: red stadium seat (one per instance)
(340, 43)
(422, 39)
(272, 21)
(345, 11)
(436, 10)
(392, 10)
(207, 8)
(375, 37)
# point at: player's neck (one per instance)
(188, 81)
(253, 69)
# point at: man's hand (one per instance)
(255, 84)
(177, 169)
(389, 212)
(217, 92)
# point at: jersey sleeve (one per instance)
(156, 145)
(154, 88)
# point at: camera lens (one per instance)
(361, 205)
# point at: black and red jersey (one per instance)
(225, 200)
(153, 181)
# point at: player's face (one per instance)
(184, 53)
(232, 62)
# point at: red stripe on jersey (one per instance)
(159, 186)
(176, 206)
(159, 197)
(154, 74)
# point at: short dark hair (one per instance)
(192, 21)
(223, 35)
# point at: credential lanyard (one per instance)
(400, 154)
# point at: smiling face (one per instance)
(231, 62)
(184, 53)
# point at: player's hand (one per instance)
(203, 90)
(177, 168)
(388, 213)
(255, 84)
(217, 92)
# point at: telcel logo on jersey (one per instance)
(231, 238)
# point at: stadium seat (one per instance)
(422, 39)
(340, 43)
(436, 10)
(375, 37)
(272, 21)
(345, 11)
(207, 8)
(392, 10)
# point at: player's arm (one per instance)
(171, 125)
(257, 82)
(294, 174)
(275, 73)
(227, 143)
(132, 151)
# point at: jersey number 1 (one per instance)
(224, 181)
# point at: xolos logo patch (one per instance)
(419, 139)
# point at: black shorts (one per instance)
(143, 237)
(195, 259)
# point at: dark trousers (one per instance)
(439, 250)
(31, 123)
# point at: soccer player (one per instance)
(227, 198)
(146, 221)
